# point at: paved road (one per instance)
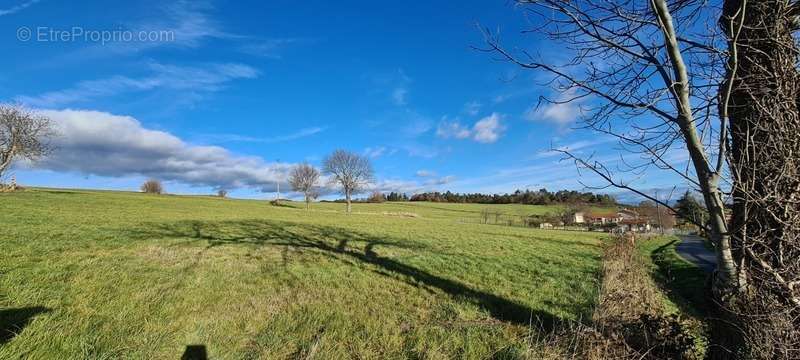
(694, 250)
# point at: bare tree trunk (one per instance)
(708, 180)
(5, 159)
(349, 204)
(765, 165)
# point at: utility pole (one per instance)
(658, 213)
(278, 183)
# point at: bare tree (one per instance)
(377, 197)
(304, 179)
(630, 78)
(152, 186)
(222, 193)
(716, 80)
(23, 135)
(348, 170)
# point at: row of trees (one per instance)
(540, 197)
(347, 170)
(527, 197)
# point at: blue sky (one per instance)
(230, 94)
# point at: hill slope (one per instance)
(90, 274)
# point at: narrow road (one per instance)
(694, 250)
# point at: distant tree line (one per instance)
(396, 196)
(528, 197)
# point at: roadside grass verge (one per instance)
(632, 319)
(683, 282)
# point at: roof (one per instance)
(634, 222)
(629, 211)
(602, 214)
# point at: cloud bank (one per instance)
(17, 8)
(103, 144)
(209, 78)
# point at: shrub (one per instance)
(11, 186)
(377, 197)
(152, 187)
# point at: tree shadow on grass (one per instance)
(12, 321)
(195, 352)
(344, 245)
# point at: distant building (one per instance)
(635, 225)
(596, 217)
(624, 220)
(627, 214)
(578, 218)
(605, 217)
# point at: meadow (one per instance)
(100, 275)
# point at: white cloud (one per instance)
(189, 21)
(294, 136)
(574, 147)
(425, 173)
(472, 108)
(375, 152)
(406, 186)
(488, 129)
(103, 144)
(183, 23)
(416, 124)
(440, 181)
(402, 186)
(191, 79)
(561, 113)
(452, 129)
(269, 48)
(17, 8)
(500, 98)
(424, 151)
(222, 138)
(399, 96)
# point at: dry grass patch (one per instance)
(630, 321)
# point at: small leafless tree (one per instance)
(24, 134)
(152, 186)
(348, 170)
(222, 193)
(377, 197)
(717, 81)
(304, 179)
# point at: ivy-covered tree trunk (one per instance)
(762, 107)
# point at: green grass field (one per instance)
(99, 275)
